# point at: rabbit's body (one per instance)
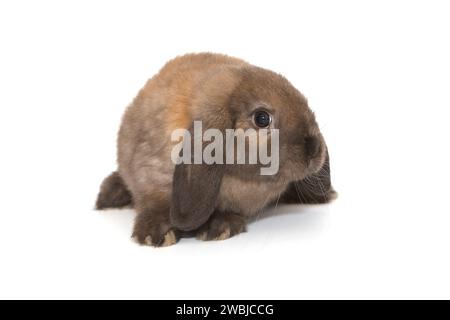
(213, 201)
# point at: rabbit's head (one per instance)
(247, 99)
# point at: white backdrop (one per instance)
(376, 73)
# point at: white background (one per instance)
(377, 74)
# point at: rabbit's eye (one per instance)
(262, 119)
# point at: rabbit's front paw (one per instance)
(151, 232)
(221, 226)
(170, 238)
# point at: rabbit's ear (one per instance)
(196, 187)
(194, 194)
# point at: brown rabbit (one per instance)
(212, 201)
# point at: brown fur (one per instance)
(213, 201)
(113, 193)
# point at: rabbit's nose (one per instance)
(313, 146)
